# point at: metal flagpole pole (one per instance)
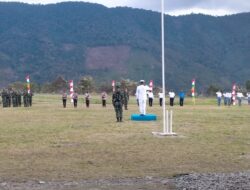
(163, 63)
(166, 131)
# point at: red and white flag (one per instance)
(71, 89)
(151, 84)
(113, 85)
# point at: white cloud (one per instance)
(214, 12)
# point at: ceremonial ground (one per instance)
(49, 143)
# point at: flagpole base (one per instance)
(164, 134)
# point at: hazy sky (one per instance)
(173, 7)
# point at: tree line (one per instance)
(88, 83)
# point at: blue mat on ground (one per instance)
(147, 117)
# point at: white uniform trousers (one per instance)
(142, 106)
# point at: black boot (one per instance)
(120, 119)
(117, 119)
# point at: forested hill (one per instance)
(74, 39)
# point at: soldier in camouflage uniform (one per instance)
(4, 98)
(25, 98)
(117, 100)
(19, 98)
(8, 98)
(30, 95)
(126, 98)
(14, 98)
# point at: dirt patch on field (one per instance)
(107, 57)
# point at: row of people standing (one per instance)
(87, 98)
(171, 98)
(14, 98)
(228, 98)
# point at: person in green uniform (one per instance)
(126, 98)
(117, 100)
(4, 100)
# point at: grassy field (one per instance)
(48, 142)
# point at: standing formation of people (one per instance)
(14, 98)
(228, 98)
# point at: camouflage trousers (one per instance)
(118, 110)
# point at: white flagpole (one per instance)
(166, 130)
(163, 63)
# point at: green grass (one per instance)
(51, 143)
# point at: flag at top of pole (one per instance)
(28, 83)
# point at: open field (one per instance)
(49, 143)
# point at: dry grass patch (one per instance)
(51, 143)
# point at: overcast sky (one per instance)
(172, 7)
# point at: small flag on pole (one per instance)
(193, 90)
(71, 89)
(113, 85)
(28, 83)
(151, 84)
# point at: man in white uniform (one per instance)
(141, 95)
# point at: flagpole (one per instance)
(167, 131)
(163, 65)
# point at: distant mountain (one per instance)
(73, 39)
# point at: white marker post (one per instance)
(166, 130)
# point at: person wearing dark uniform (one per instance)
(75, 99)
(150, 98)
(117, 100)
(87, 99)
(30, 95)
(126, 98)
(181, 96)
(64, 99)
(171, 96)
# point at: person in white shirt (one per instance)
(219, 95)
(229, 98)
(104, 98)
(248, 98)
(171, 96)
(141, 95)
(239, 96)
(150, 98)
(160, 94)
